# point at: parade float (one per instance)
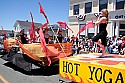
(89, 68)
(34, 53)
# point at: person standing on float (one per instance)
(102, 22)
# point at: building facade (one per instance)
(19, 25)
(83, 11)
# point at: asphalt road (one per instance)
(13, 74)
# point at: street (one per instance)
(13, 74)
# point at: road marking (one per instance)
(3, 79)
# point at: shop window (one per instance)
(122, 33)
(120, 4)
(88, 7)
(90, 35)
(103, 4)
(122, 26)
(82, 33)
(76, 10)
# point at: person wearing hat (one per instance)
(22, 37)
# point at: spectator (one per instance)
(77, 41)
(74, 49)
(72, 39)
(65, 39)
(68, 39)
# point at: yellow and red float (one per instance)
(88, 68)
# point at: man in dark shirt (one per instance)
(60, 37)
(22, 37)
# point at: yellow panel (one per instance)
(86, 70)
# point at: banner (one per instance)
(86, 70)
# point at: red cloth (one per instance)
(41, 8)
(88, 25)
(73, 38)
(42, 11)
(3, 32)
(64, 25)
(43, 44)
(45, 24)
(32, 30)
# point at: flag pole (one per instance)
(42, 11)
(56, 34)
(58, 40)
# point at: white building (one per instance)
(19, 25)
(80, 8)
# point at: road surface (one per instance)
(13, 74)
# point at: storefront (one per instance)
(80, 8)
(77, 23)
(115, 27)
(117, 23)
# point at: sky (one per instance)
(12, 10)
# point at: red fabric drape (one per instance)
(32, 29)
(42, 12)
(64, 25)
(88, 25)
(45, 24)
(43, 44)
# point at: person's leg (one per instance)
(97, 37)
(103, 51)
(103, 45)
(103, 48)
(99, 43)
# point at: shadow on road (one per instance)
(43, 71)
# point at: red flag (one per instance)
(41, 8)
(32, 29)
(43, 44)
(44, 25)
(88, 25)
(64, 25)
(3, 32)
(42, 11)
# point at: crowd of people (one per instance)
(115, 45)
